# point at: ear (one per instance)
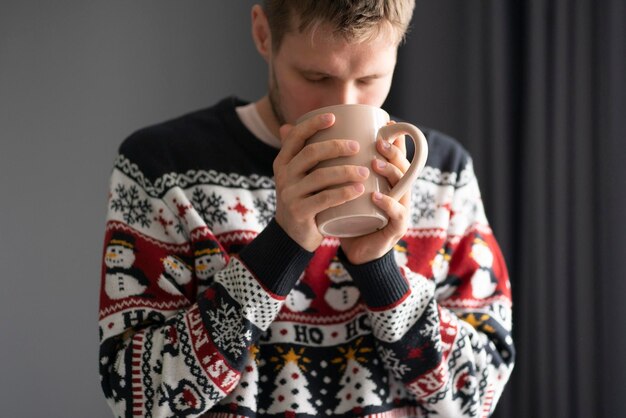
(261, 33)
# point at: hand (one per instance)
(360, 250)
(301, 193)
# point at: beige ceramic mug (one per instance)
(365, 124)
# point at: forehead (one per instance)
(320, 48)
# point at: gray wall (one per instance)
(75, 79)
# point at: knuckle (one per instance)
(292, 207)
(280, 177)
(309, 152)
(317, 175)
(324, 198)
(338, 148)
(277, 164)
(346, 193)
(403, 216)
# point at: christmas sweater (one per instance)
(208, 308)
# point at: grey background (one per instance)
(76, 78)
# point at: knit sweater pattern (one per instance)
(208, 308)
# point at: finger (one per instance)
(333, 197)
(284, 130)
(396, 212)
(296, 136)
(399, 140)
(394, 154)
(312, 154)
(329, 177)
(387, 170)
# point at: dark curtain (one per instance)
(536, 91)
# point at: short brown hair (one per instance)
(355, 20)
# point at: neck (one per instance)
(264, 108)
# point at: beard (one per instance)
(274, 97)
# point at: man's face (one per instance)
(313, 70)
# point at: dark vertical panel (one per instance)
(543, 103)
(534, 252)
(500, 141)
(581, 219)
(610, 149)
(560, 167)
(428, 83)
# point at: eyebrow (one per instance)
(316, 73)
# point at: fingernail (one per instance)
(381, 164)
(386, 145)
(363, 171)
(378, 196)
(359, 188)
(327, 117)
(353, 145)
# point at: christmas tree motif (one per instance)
(265, 208)
(358, 390)
(208, 207)
(291, 395)
(245, 394)
(134, 210)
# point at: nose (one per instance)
(111, 255)
(346, 93)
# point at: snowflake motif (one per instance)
(469, 208)
(430, 331)
(180, 229)
(229, 332)
(208, 207)
(423, 206)
(266, 209)
(388, 356)
(134, 209)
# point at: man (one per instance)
(231, 187)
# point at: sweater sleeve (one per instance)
(166, 348)
(446, 335)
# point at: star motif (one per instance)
(291, 356)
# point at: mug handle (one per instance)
(388, 133)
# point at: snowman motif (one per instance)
(342, 294)
(483, 282)
(176, 274)
(401, 253)
(445, 285)
(209, 259)
(121, 278)
(300, 297)
(440, 265)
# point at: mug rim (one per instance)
(327, 109)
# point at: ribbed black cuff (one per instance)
(380, 281)
(275, 259)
